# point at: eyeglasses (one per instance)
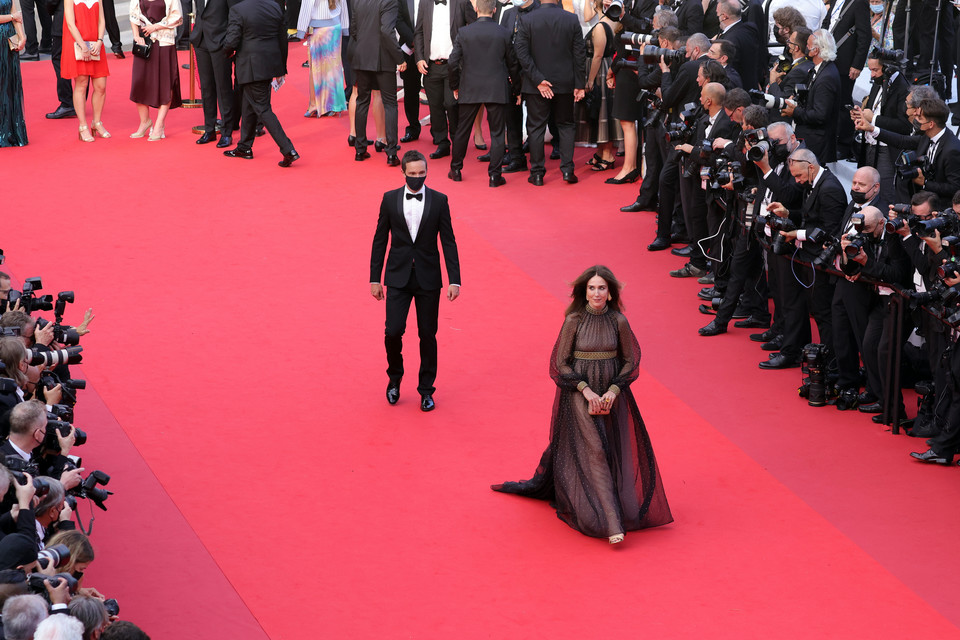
(795, 161)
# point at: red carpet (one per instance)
(266, 489)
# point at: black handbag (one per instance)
(143, 50)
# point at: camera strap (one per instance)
(845, 37)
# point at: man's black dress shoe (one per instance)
(361, 156)
(45, 50)
(427, 403)
(773, 344)
(497, 181)
(707, 310)
(866, 398)
(659, 244)
(535, 179)
(636, 207)
(62, 112)
(931, 456)
(683, 252)
(207, 137)
(455, 175)
(515, 167)
(442, 152)
(246, 154)
(288, 158)
(118, 51)
(570, 178)
(708, 293)
(393, 394)
(393, 161)
(409, 137)
(225, 141)
(27, 57)
(752, 322)
(554, 155)
(873, 407)
(766, 336)
(379, 146)
(260, 130)
(484, 158)
(779, 361)
(712, 329)
(351, 141)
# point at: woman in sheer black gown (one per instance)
(599, 470)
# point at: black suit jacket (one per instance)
(745, 38)
(680, 88)
(256, 31)
(734, 81)
(461, 14)
(893, 108)
(406, 26)
(855, 15)
(550, 47)
(373, 43)
(483, 63)
(944, 177)
(816, 123)
(690, 16)
(823, 208)
(405, 252)
(210, 24)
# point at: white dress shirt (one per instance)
(413, 210)
(441, 46)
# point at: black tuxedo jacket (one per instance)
(690, 17)
(677, 90)
(893, 108)
(788, 83)
(734, 81)
(210, 24)
(256, 31)
(816, 123)
(406, 26)
(745, 38)
(636, 13)
(944, 177)
(824, 207)
(550, 47)
(373, 43)
(461, 14)
(404, 252)
(854, 14)
(483, 64)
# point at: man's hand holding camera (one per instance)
(845, 242)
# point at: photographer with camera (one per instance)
(30, 438)
(853, 299)
(722, 51)
(677, 90)
(935, 164)
(689, 14)
(815, 116)
(848, 21)
(877, 255)
(791, 70)
(807, 292)
(885, 107)
(744, 37)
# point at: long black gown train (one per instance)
(599, 472)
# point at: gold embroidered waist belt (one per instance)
(594, 355)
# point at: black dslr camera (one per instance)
(904, 217)
(17, 467)
(637, 41)
(946, 223)
(90, 490)
(651, 54)
(830, 247)
(30, 301)
(908, 164)
(813, 362)
(759, 143)
(50, 441)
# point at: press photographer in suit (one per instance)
(551, 51)
(848, 21)
(412, 219)
(816, 121)
(482, 66)
(745, 39)
(215, 70)
(783, 85)
(256, 32)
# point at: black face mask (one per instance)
(916, 128)
(858, 197)
(415, 184)
(778, 154)
(77, 574)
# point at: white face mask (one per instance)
(518, 3)
(876, 8)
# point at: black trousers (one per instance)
(694, 202)
(802, 301)
(427, 303)
(721, 233)
(667, 186)
(64, 87)
(947, 442)
(653, 158)
(845, 130)
(347, 69)
(443, 106)
(852, 305)
(775, 278)
(514, 123)
(495, 119)
(110, 22)
(411, 96)
(256, 108)
(879, 343)
(30, 19)
(386, 83)
(746, 279)
(292, 13)
(539, 111)
(216, 88)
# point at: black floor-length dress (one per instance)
(599, 472)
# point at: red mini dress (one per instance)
(86, 14)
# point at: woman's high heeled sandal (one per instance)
(99, 130)
(85, 129)
(616, 539)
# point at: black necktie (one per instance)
(418, 196)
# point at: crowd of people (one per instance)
(44, 550)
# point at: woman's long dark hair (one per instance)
(579, 293)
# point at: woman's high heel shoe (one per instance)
(351, 141)
(616, 539)
(379, 145)
(633, 176)
(154, 137)
(603, 165)
(311, 114)
(143, 130)
(594, 160)
(84, 129)
(99, 130)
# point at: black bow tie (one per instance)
(418, 196)
(439, 1)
